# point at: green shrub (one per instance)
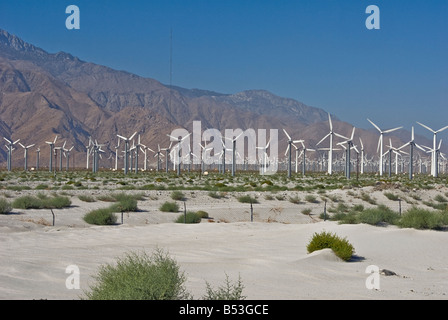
(228, 291)
(214, 195)
(42, 187)
(104, 216)
(295, 199)
(27, 202)
(125, 205)
(177, 195)
(423, 219)
(202, 214)
(5, 206)
(440, 198)
(189, 217)
(311, 198)
(86, 198)
(341, 247)
(57, 202)
(376, 216)
(391, 196)
(247, 199)
(169, 207)
(140, 277)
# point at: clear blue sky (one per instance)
(316, 51)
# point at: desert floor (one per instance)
(269, 254)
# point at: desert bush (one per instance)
(177, 195)
(140, 277)
(214, 195)
(228, 291)
(189, 217)
(27, 202)
(423, 219)
(86, 198)
(169, 207)
(440, 198)
(311, 198)
(42, 202)
(103, 216)
(202, 214)
(295, 199)
(341, 247)
(5, 206)
(376, 216)
(391, 196)
(247, 199)
(125, 205)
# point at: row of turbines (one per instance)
(132, 148)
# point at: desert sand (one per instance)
(268, 254)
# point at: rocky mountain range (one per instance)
(44, 94)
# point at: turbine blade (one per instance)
(287, 134)
(390, 130)
(133, 135)
(121, 137)
(374, 125)
(440, 130)
(331, 124)
(323, 139)
(424, 126)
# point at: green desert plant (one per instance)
(140, 277)
(168, 206)
(378, 215)
(5, 206)
(189, 217)
(177, 195)
(423, 219)
(340, 246)
(103, 216)
(228, 291)
(247, 199)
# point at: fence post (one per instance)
(325, 210)
(251, 212)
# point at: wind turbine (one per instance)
(234, 153)
(380, 143)
(264, 157)
(436, 153)
(411, 143)
(362, 156)
(145, 152)
(10, 148)
(167, 152)
(26, 154)
(51, 143)
(37, 158)
(433, 152)
(67, 156)
(116, 154)
(158, 154)
(303, 154)
(289, 150)
(203, 154)
(350, 145)
(331, 134)
(126, 150)
(179, 148)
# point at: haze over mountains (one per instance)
(44, 94)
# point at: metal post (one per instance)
(185, 213)
(325, 210)
(251, 212)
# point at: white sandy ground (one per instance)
(268, 254)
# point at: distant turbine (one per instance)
(26, 154)
(51, 143)
(411, 143)
(380, 143)
(303, 154)
(289, 150)
(9, 146)
(179, 148)
(433, 152)
(126, 151)
(350, 145)
(234, 153)
(330, 150)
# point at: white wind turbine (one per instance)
(380, 143)
(116, 154)
(331, 134)
(51, 143)
(264, 158)
(167, 152)
(362, 156)
(67, 157)
(433, 150)
(145, 152)
(303, 154)
(289, 150)
(350, 146)
(234, 153)
(436, 153)
(180, 140)
(10, 147)
(158, 154)
(126, 150)
(37, 158)
(26, 154)
(411, 143)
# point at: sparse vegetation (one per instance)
(104, 216)
(247, 199)
(340, 246)
(5, 206)
(169, 207)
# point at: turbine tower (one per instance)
(411, 143)
(126, 150)
(26, 154)
(380, 143)
(289, 150)
(434, 148)
(331, 134)
(51, 143)
(10, 147)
